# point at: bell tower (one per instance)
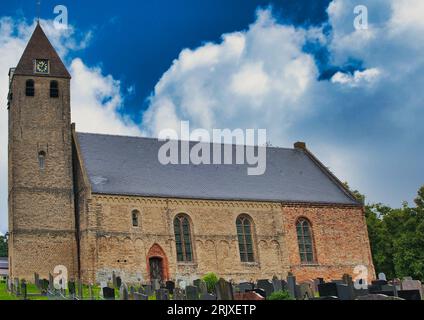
(41, 197)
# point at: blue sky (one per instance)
(296, 68)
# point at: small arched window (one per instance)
(29, 88)
(134, 215)
(305, 241)
(54, 89)
(245, 238)
(42, 160)
(183, 238)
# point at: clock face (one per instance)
(42, 66)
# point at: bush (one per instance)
(280, 295)
(211, 279)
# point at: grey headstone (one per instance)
(192, 293)
(266, 285)
(162, 294)
(148, 290)
(327, 289)
(224, 290)
(305, 291)
(382, 276)
(123, 292)
(16, 286)
(179, 294)
(118, 282)
(156, 284)
(277, 284)
(291, 285)
(109, 293)
(24, 289)
(246, 286)
(344, 292)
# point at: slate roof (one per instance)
(121, 165)
(39, 47)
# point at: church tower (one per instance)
(41, 197)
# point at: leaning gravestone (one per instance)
(327, 289)
(123, 292)
(192, 293)
(266, 285)
(224, 290)
(109, 293)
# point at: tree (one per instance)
(3, 246)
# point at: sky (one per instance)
(299, 69)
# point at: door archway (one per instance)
(157, 264)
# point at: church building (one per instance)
(98, 204)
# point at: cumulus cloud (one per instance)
(356, 121)
(96, 98)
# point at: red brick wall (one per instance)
(340, 240)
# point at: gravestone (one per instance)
(266, 285)
(305, 291)
(131, 293)
(148, 290)
(207, 296)
(140, 296)
(170, 286)
(118, 282)
(37, 280)
(224, 290)
(179, 294)
(44, 286)
(162, 294)
(71, 289)
(246, 286)
(16, 287)
(276, 283)
(382, 276)
(197, 282)
(344, 292)
(412, 285)
(327, 289)
(156, 284)
(51, 284)
(291, 285)
(203, 289)
(410, 295)
(123, 292)
(108, 293)
(80, 290)
(377, 297)
(192, 293)
(24, 289)
(114, 283)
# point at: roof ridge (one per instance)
(194, 141)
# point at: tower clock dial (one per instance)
(42, 66)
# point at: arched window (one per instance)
(54, 89)
(245, 238)
(183, 238)
(29, 88)
(305, 241)
(134, 215)
(42, 160)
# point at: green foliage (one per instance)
(211, 279)
(397, 238)
(3, 246)
(280, 295)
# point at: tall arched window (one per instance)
(245, 238)
(134, 216)
(305, 241)
(54, 89)
(29, 88)
(42, 160)
(183, 238)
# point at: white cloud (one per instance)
(96, 99)
(358, 78)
